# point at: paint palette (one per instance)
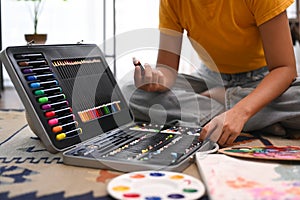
(155, 185)
(291, 153)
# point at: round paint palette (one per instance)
(155, 185)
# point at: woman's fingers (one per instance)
(150, 80)
(220, 130)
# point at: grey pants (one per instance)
(183, 102)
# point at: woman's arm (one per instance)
(279, 54)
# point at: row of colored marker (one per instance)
(41, 80)
(99, 111)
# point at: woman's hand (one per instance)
(224, 128)
(151, 80)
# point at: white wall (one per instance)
(64, 22)
(76, 20)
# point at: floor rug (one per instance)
(28, 171)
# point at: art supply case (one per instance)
(74, 104)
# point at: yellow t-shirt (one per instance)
(226, 29)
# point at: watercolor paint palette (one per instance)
(291, 153)
(155, 185)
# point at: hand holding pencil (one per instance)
(147, 78)
(138, 63)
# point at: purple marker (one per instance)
(36, 70)
(55, 105)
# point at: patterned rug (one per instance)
(28, 171)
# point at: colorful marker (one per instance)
(35, 62)
(55, 121)
(43, 84)
(29, 56)
(55, 105)
(58, 129)
(36, 70)
(58, 112)
(47, 91)
(51, 98)
(39, 77)
(62, 136)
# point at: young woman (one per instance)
(249, 46)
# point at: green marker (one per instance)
(51, 98)
(47, 91)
